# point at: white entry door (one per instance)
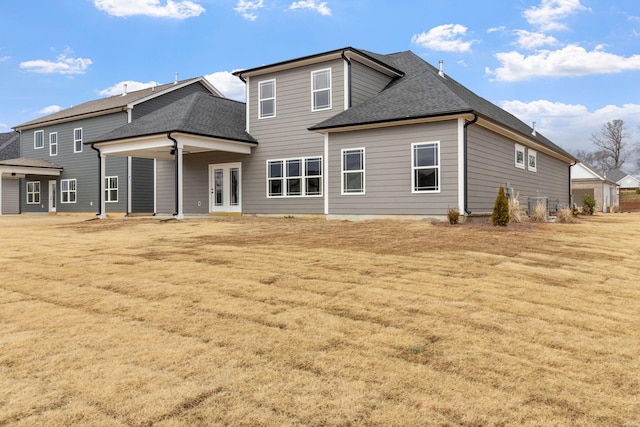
(53, 195)
(225, 190)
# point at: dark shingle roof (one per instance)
(105, 104)
(616, 175)
(197, 114)
(422, 93)
(9, 145)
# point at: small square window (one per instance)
(533, 160)
(519, 156)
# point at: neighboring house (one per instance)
(587, 182)
(61, 173)
(626, 181)
(9, 182)
(342, 133)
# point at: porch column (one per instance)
(179, 186)
(101, 200)
(0, 193)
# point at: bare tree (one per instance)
(611, 139)
(597, 160)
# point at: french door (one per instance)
(225, 190)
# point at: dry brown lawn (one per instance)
(289, 321)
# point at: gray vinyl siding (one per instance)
(196, 179)
(388, 171)
(142, 199)
(491, 163)
(11, 196)
(286, 136)
(365, 82)
(81, 166)
(154, 104)
(165, 187)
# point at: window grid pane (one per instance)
(294, 177)
(426, 168)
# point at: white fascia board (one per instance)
(24, 170)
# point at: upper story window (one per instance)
(533, 160)
(353, 171)
(53, 144)
(294, 177)
(425, 160)
(519, 156)
(321, 90)
(77, 140)
(267, 99)
(38, 139)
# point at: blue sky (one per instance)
(569, 65)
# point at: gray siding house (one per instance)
(59, 173)
(344, 133)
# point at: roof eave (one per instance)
(73, 118)
(400, 121)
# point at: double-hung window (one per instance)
(353, 171)
(53, 144)
(77, 140)
(425, 160)
(38, 139)
(321, 90)
(294, 177)
(33, 192)
(68, 190)
(519, 156)
(111, 189)
(532, 160)
(267, 99)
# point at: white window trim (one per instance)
(413, 168)
(35, 139)
(303, 177)
(532, 153)
(52, 144)
(75, 140)
(260, 115)
(363, 170)
(107, 179)
(34, 193)
(313, 91)
(520, 148)
(68, 192)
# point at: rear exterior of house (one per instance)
(60, 138)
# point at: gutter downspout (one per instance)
(100, 194)
(175, 153)
(465, 174)
(348, 61)
(571, 185)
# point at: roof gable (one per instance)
(197, 114)
(423, 93)
(113, 103)
(9, 145)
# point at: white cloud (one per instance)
(529, 40)
(571, 125)
(496, 29)
(248, 9)
(118, 88)
(50, 109)
(550, 12)
(446, 38)
(172, 9)
(571, 60)
(4, 58)
(63, 64)
(230, 86)
(4, 125)
(321, 8)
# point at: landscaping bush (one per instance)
(500, 214)
(538, 213)
(453, 214)
(565, 215)
(588, 204)
(516, 213)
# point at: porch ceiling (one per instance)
(161, 147)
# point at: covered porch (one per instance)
(12, 170)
